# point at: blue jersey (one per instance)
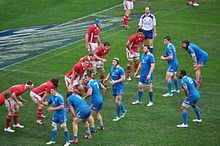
(77, 102)
(96, 94)
(200, 54)
(146, 60)
(116, 74)
(57, 101)
(190, 83)
(171, 51)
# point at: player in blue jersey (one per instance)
(59, 116)
(192, 98)
(199, 56)
(94, 87)
(117, 76)
(171, 58)
(147, 65)
(81, 112)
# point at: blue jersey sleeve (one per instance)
(183, 84)
(49, 100)
(169, 52)
(60, 100)
(152, 59)
(190, 50)
(88, 86)
(70, 103)
(121, 73)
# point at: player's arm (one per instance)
(99, 58)
(55, 108)
(13, 95)
(88, 93)
(151, 70)
(122, 79)
(128, 44)
(139, 67)
(44, 95)
(154, 27)
(73, 77)
(185, 88)
(99, 40)
(170, 57)
(107, 78)
(22, 99)
(72, 111)
(194, 58)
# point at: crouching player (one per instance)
(192, 97)
(83, 113)
(59, 116)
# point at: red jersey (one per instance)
(43, 87)
(78, 68)
(2, 99)
(101, 52)
(85, 58)
(136, 41)
(93, 33)
(18, 89)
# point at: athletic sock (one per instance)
(67, 136)
(169, 85)
(197, 111)
(8, 120)
(15, 115)
(176, 84)
(151, 96)
(185, 117)
(140, 94)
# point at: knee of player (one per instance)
(140, 87)
(182, 108)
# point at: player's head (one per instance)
(7, 94)
(68, 94)
(182, 73)
(166, 40)
(88, 76)
(147, 9)
(139, 32)
(106, 45)
(97, 22)
(29, 84)
(115, 62)
(146, 49)
(185, 44)
(55, 81)
(53, 90)
(86, 63)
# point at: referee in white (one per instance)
(147, 23)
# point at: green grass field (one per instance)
(154, 126)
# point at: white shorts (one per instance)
(130, 55)
(10, 102)
(98, 64)
(68, 81)
(128, 5)
(35, 97)
(92, 47)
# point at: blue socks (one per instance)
(140, 93)
(185, 117)
(151, 49)
(67, 136)
(169, 84)
(196, 109)
(176, 84)
(122, 107)
(151, 96)
(118, 110)
(54, 133)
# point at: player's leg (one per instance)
(76, 121)
(183, 109)
(99, 116)
(150, 92)
(197, 70)
(175, 80)
(15, 116)
(127, 7)
(198, 114)
(66, 132)
(88, 131)
(54, 132)
(102, 74)
(136, 63)
(151, 43)
(129, 64)
(11, 110)
(169, 84)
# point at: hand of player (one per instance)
(20, 104)
(135, 74)
(50, 109)
(155, 34)
(112, 82)
(162, 57)
(148, 77)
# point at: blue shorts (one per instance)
(84, 113)
(202, 61)
(172, 68)
(191, 101)
(148, 34)
(96, 107)
(118, 92)
(143, 80)
(59, 119)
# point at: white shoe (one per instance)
(182, 126)
(138, 76)
(116, 119)
(175, 91)
(43, 116)
(129, 78)
(197, 120)
(189, 3)
(50, 142)
(195, 4)
(136, 102)
(9, 130)
(123, 114)
(167, 94)
(150, 104)
(67, 144)
(18, 126)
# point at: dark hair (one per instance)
(29, 82)
(148, 46)
(186, 42)
(167, 38)
(54, 88)
(7, 94)
(183, 72)
(69, 94)
(117, 60)
(55, 81)
(106, 44)
(139, 30)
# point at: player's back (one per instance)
(193, 92)
(43, 87)
(77, 102)
(96, 94)
(197, 50)
(17, 89)
(171, 51)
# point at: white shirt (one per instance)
(147, 22)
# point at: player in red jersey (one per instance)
(74, 77)
(4, 95)
(12, 104)
(132, 50)
(128, 6)
(193, 3)
(40, 93)
(99, 56)
(92, 36)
